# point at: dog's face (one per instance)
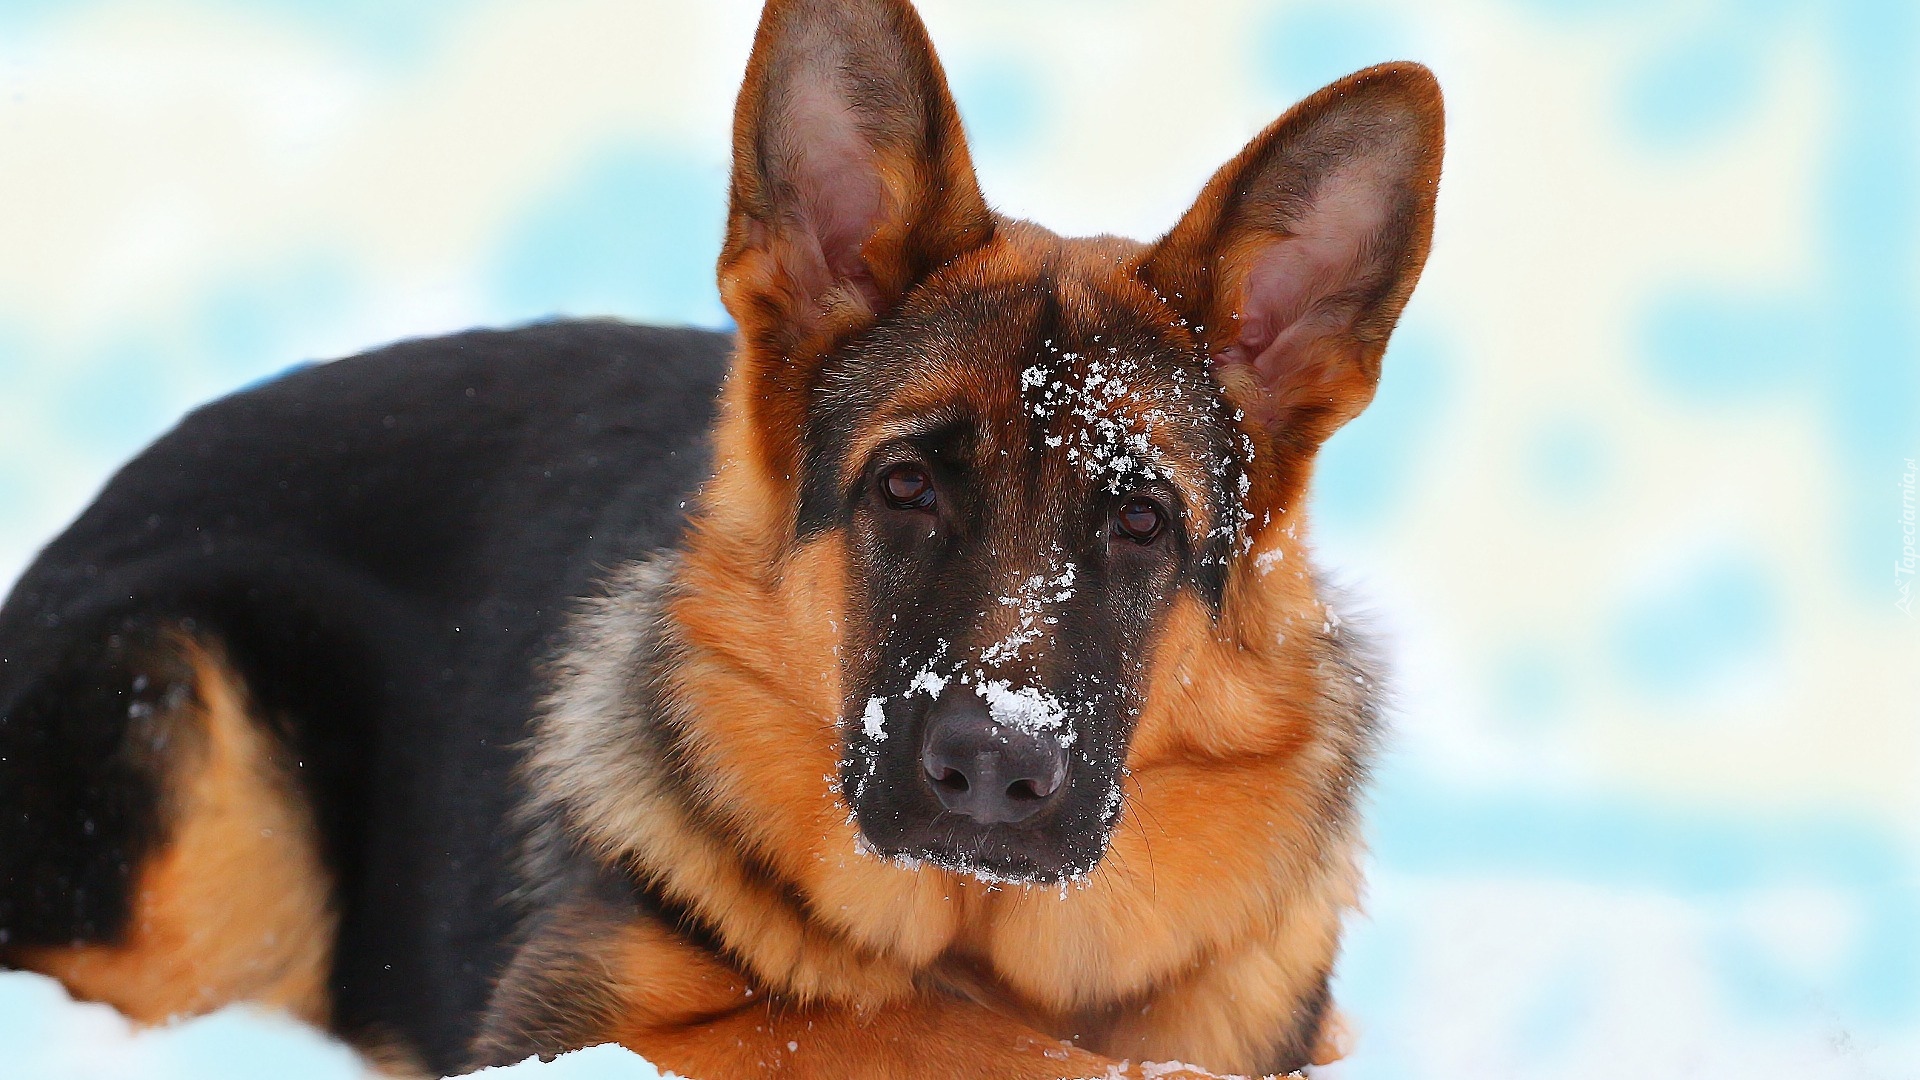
(1026, 469)
(1026, 449)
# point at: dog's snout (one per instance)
(992, 772)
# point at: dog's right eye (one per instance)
(1140, 521)
(907, 487)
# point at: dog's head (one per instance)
(1027, 453)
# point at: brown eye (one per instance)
(1140, 521)
(907, 487)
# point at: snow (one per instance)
(608, 1062)
(927, 682)
(1025, 708)
(1028, 602)
(873, 720)
(46, 1035)
(1083, 394)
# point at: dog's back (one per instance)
(383, 548)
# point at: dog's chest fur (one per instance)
(617, 775)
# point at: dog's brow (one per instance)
(1185, 463)
(904, 427)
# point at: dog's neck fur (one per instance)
(1278, 704)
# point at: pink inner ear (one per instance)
(839, 189)
(1296, 292)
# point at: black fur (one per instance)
(81, 793)
(1293, 1049)
(388, 546)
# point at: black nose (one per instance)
(994, 773)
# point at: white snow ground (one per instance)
(45, 1035)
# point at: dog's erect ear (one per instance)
(1296, 260)
(851, 179)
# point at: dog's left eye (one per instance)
(907, 487)
(1140, 521)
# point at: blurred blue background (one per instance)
(1628, 506)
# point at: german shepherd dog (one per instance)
(927, 679)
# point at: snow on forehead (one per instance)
(1103, 406)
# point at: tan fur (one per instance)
(927, 1036)
(234, 906)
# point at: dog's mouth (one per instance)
(983, 780)
(991, 856)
